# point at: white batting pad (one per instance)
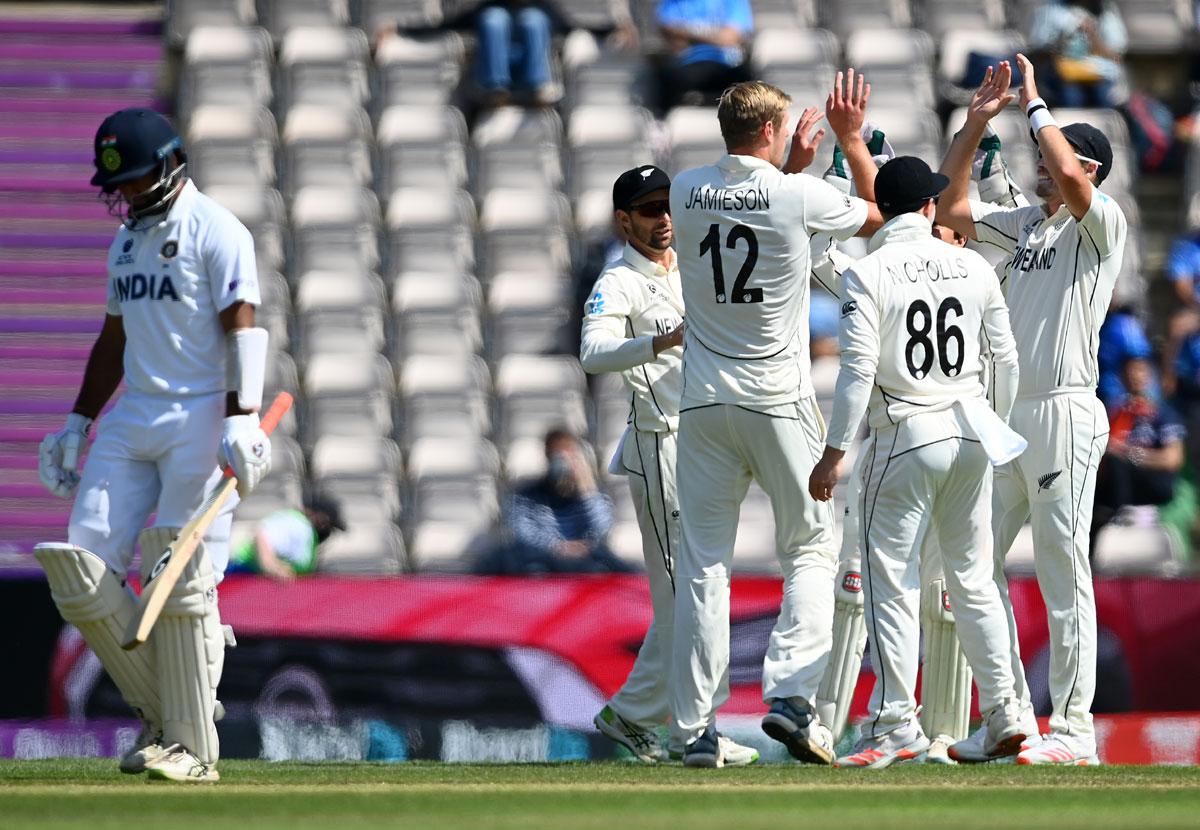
(845, 659)
(189, 644)
(946, 675)
(90, 597)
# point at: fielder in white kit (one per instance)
(633, 324)
(748, 409)
(916, 317)
(179, 326)
(1066, 255)
(946, 680)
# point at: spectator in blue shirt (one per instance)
(1145, 449)
(707, 42)
(1183, 268)
(558, 523)
(1085, 41)
(1122, 338)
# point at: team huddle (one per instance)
(978, 390)
(977, 386)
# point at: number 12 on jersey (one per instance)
(711, 245)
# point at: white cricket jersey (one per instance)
(1058, 285)
(916, 315)
(168, 280)
(742, 230)
(634, 300)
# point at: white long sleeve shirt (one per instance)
(634, 300)
(916, 316)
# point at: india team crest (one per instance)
(110, 159)
(169, 249)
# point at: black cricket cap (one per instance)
(131, 143)
(1090, 142)
(636, 183)
(905, 183)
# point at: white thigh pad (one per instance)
(90, 597)
(836, 692)
(189, 644)
(946, 675)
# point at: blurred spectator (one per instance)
(515, 53)
(824, 311)
(559, 522)
(1183, 267)
(1084, 41)
(285, 544)
(707, 42)
(1145, 449)
(1122, 338)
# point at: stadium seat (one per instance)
(594, 215)
(335, 228)
(443, 396)
(605, 141)
(231, 145)
(275, 311)
(364, 549)
(226, 65)
(1158, 27)
(910, 131)
(956, 48)
(346, 467)
(789, 46)
(940, 16)
(516, 147)
(421, 146)
(281, 16)
(845, 17)
(323, 65)
(423, 71)
(528, 311)
(782, 15)
(447, 547)
(347, 394)
(184, 16)
(695, 137)
(596, 75)
(452, 480)
(430, 229)
(535, 394)
(405, 13)
(261, 210)
(523, 229)
(898, 65)
(435, 313)
(326, 145)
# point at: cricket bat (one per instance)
(174, 559)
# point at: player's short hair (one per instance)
(744, 108)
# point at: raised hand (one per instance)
(1029, 89)
(992, 96)
(804, 141)
(846, 107)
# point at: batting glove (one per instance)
(58, 455)
(246, 449)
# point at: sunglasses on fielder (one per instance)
(651, 210)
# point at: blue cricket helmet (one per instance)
(131, 143)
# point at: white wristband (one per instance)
(1039, 115)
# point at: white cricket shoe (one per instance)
(179, 764)
(732, 753)
(146, 747)
(904, 744)
(643, 743)
(1064, 750)
(938, 751)
(977, 749)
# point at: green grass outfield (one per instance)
(607, 796)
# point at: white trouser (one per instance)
(152, 454)
(721, 448)
(1053, 484)
(922, 475)
(648, 459)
